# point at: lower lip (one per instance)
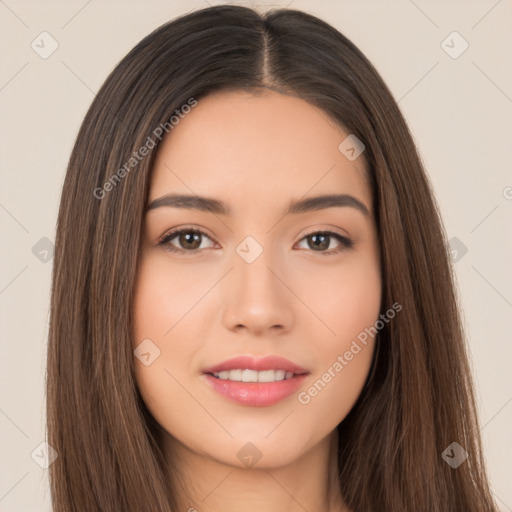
(256, 394)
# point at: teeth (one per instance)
(249, 376)
(254, 376)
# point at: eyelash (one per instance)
(345, 243)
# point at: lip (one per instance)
(257, 364)
(256, 394)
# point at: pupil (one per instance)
(190, 238)
(323, 244)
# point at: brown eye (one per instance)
(318, 241)
(188, 240)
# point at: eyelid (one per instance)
(328, 230)
(345, 241)
(169, 235)
(187, 228)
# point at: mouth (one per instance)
(255, 382)
(246, 375)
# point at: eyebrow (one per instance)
(206, 204)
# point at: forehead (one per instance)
(256, 150)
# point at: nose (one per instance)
(257, 297)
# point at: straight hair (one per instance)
(418, 397)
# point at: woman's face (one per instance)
(256, 282)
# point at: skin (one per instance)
(256, 153)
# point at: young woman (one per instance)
(252, 305)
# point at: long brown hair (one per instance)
(418, 398)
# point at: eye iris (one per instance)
(190, 237)
(324, 244)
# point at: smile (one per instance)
(253, 375)
(255, 382)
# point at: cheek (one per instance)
(343, 363)
(330, 394)
(348, 302)
(162, 356)
(342, 298)
(165, 294)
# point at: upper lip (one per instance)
(257, 364)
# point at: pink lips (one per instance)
(256, 394)
(250, 363)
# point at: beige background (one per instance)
(459, 111)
